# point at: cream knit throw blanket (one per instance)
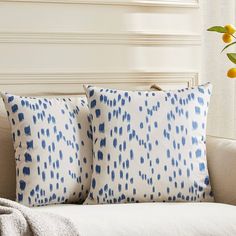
(18, 220)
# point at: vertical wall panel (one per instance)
(59, 36)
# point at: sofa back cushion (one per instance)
(7, 159)
(221, 155)
(149, 146)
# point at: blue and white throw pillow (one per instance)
(53, 149)
(149, 146)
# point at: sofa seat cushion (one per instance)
(150, 219)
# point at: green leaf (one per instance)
(228, 46)
(232, 57)
(218, 29)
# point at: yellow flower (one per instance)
(230, 29)
(232, 73)
(227, 38)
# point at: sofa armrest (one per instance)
(221, 157)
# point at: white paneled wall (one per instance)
(41, 40)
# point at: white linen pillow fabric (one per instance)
(149, 146)
(53, 148)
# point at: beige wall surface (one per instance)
(40, 39)
(222, 113)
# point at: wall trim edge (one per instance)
(129, 38)
(144, 3)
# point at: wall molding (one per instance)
(129, 38)
(145, 3)
(191, 78)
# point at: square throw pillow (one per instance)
(53, 149)
(149, 146)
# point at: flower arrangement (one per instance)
(229, 38)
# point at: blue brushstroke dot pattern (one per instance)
(53, 148)
(149, 146)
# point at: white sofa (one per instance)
(188, 219)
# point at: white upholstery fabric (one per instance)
(148, 219)
(221, 155)
(7, 160)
